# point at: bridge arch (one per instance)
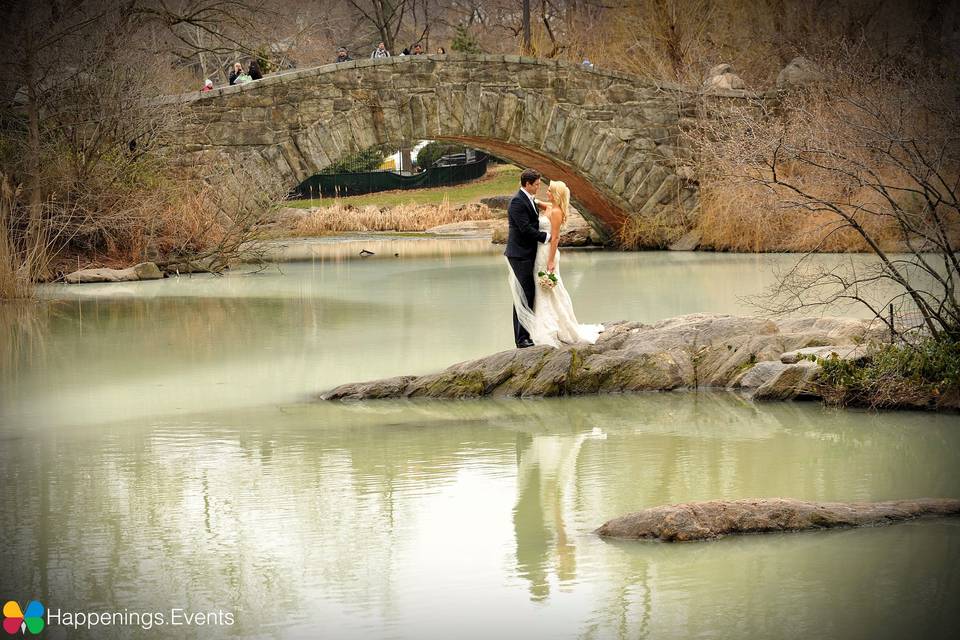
(614, 139)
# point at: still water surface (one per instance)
(159, 449)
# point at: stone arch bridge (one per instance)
(615, 139)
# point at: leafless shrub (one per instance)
(221, 222)
(86, 182)
(872, 155)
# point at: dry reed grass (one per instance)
(346, 218)
(743, 216)
(27, 248)
(656, 231)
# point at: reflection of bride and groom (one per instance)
(546, 477)
(542, 309)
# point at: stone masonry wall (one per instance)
(614, 139)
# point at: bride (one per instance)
(552, 321)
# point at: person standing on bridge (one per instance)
(254, 70)
(237, 71)
(380, 51)
(342, 55)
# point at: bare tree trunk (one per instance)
(527, 47)
(203, 64)
(674, 48)
(382, 27)
(35, 202)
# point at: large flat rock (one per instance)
(697, 350)
(704, 520)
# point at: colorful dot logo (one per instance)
(15, 620)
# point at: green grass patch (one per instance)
(895, 375)
(499, 180)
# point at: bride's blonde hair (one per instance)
(561, 196)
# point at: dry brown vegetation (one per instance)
(85, 179)
(658, 230)
(340, 218)
(736, 216)
(867, 159)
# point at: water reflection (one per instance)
(157, 451)
(420, 519)
(546, 499)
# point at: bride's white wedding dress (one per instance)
(552, 320)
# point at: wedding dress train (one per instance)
(551, 321)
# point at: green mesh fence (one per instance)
(355, 184)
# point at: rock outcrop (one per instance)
(799, 72)
(501, 202)
(697, 350)
(722, 77)
(576, 232)
(142, 271)
(704, 520)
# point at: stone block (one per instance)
(471, 109)
(536, 121)
(489, 101)
(621, 93)
(450, 108)
(505, 117)
(534, 79)
(418, 117)
(687, 242)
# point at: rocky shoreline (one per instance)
(758, 355)
(762, 358)
(716, 518)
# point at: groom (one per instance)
(522, 242)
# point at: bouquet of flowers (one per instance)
(547, 279)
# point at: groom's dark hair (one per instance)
(529, 176)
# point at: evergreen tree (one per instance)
(464, 42)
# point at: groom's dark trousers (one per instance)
(522, 240)
(523, 269)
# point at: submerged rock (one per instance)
(697, 350)
(704, 520)
(142, 271)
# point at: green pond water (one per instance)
(160, 451)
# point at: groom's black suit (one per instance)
(521, 252)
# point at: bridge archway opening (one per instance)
(604, 216)
(591, 202)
